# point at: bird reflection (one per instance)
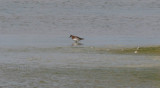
(76, 44)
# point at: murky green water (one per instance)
(116, 77)
(76, 67)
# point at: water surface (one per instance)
(36, 52)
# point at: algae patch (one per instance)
(153, 50)
(145, 50)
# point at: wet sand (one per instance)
(35, 51)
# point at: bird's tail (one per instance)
(81, 38)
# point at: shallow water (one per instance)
(65, 41)
(38, 64)
(35, 51)
(79, 77)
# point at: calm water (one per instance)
(36, 52)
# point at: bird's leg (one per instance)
(76, 41)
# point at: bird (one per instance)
(137, 50)
(76, 38)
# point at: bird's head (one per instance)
(70, 36)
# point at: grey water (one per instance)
(36, 51)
